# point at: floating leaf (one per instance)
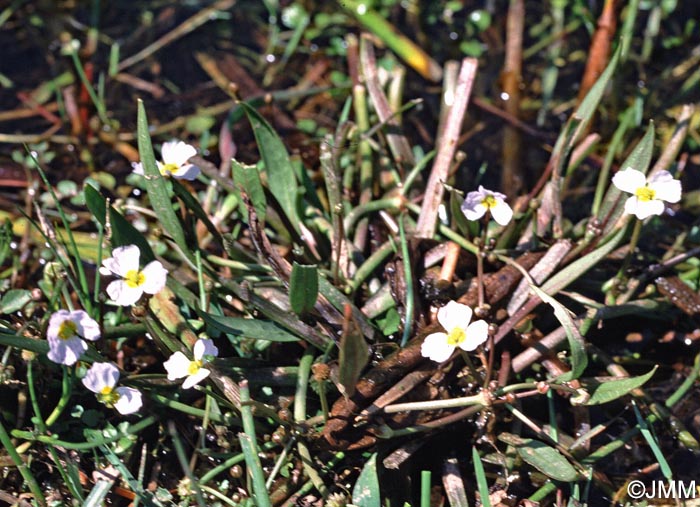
(250, 328)
(366, 490)
(353, 355)
(605, 390)
(303, 288)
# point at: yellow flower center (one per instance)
(134, 278)
(194, 367)
(645, 194)
(456, 336)
(108, 396)
(489, 201)
(167, 169)
(67, 329)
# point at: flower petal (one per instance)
(123, 260)
(130, 400)
(195, 379)
(177, 366)
(101, 375)
(501, 212)
(66, 351)
(453, 315)
(57, 318)
(472, 207)
(667, 188)
(205, 347)
(477, 333)
(155, 276)
(123, 295)
(137, 168)
(644, 209)
(187, 172)
(177, 152)
(435, 347)
(87, 327)
(629, 180)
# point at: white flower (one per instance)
(175, 156)
(480, 201)
(134, 281)
(179, 365)
(101, 379)
(648, 195)
(454, 317)
(65, 335)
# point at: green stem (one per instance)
(408, 280)
(84, 446)
(686, 385)
(23, 469)
(249, 445)
(372, 262)
(300, 416)
(632, 247)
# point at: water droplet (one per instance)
(361, 9)
(453, 35)
(270, 58)
(505, 96)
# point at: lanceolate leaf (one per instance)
(123, 233)
(579, 359)
(353, 355)
(249, 328)
(605, 390)
(366, 490)
(303, 288)
(547, 460)
(246, 177)
(156, 185)
(280, 172)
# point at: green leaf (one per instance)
(605, 390)
(123, 233)
(14, 300)
(366, 490)
(303, 288)
(547, 460)
(577, 268)
(280, 172)
(589, 104)
(481, 483)
(579, 359)
(249, 328)
(193, 205)
(353, 355)
(156, 185)
(247, 177)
